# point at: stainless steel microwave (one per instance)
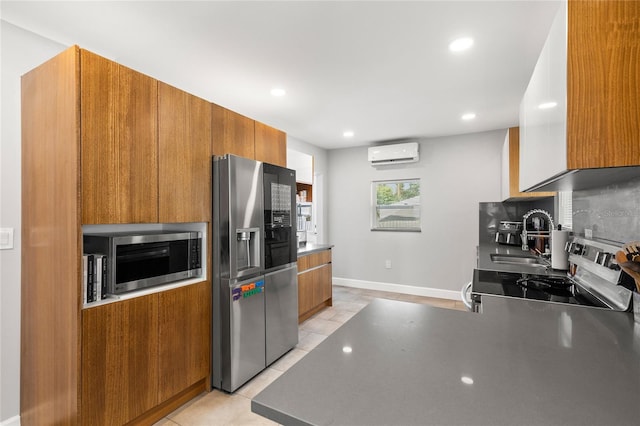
(145, 259)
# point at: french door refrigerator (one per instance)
(252, 322)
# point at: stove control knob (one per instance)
(603, 258)
(577, 249)
(567, 246)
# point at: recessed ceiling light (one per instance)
(277, 91)
(547, 105)
(347, 349)
(460, 44)
(348, 134)
(469, 116)
(466, 380)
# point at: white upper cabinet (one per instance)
(543, 111)
(579, 115)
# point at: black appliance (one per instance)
(279, 207)
(145, 259)
(594, 280)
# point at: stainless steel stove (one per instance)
(594, 280)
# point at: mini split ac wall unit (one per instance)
(394, 154)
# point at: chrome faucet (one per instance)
(538, 233)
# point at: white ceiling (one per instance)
(381, 69)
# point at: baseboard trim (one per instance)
(11, 421)
(398, 288)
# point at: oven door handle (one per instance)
(463, 294)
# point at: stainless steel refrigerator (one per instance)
(255, 300)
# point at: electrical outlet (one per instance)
(588, 233)
(387, 264)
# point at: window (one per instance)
(395, 205)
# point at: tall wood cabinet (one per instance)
(105, 144)
(239, 135)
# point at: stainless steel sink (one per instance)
(515, 259)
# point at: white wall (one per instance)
(456, 174)
(320, 171)
(21, 52)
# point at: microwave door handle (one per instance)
(147, 254)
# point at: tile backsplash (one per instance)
(611, 212)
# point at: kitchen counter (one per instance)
(484, 260)
(519, 362)
(309, 248)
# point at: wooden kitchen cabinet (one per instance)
(184, 140)
(314, 283)
(589, 70)
(90, 156)
(511, 169)
(139, 353)
(239, 135)
(118, 126)
(270, 145)
(232, 133)
(119, 360)
(184, 330)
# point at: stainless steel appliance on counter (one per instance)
(255, 299)
(142, 259)
(509, 233)
(594, 280)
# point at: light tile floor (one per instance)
(220, 408)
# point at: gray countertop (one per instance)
(309, 248)
(484, 260)
(518, 362)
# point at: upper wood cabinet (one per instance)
(232, 133)
(511, 169)
(119, 115)
(236, 134)
(184, 141)
(270, 145)
(581, 110)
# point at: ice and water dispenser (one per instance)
(248, 251)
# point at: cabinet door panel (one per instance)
(119, 143)
(326, 286)
(305, 292)
(184, 338)
(543, 131)
(271, 145)
(137, 121)
(119, 360)
(184, 139)
(232, 133)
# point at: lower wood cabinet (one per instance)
(184, 330)
(314, 283)
(139, 353)
(119, 361)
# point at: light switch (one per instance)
(6, 238)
